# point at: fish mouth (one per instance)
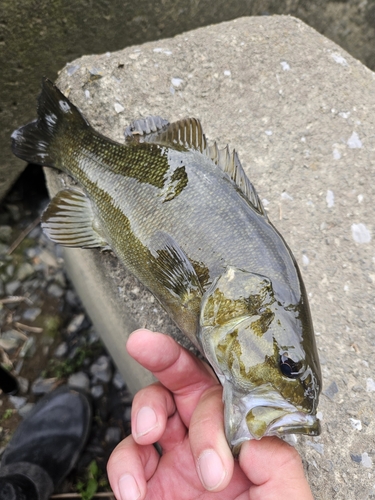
(263, 412)
(270, 421)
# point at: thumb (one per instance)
(275, 470)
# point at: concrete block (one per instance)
(300, 112)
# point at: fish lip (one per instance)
(296, 422)
(290, 421)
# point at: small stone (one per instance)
(356, 458)
(55, 290)
(12, 286)
(97, 391)
(31, 314)
(370, 385)
(18, 401)
(118, 381)
(101, 370)
(356, 424)
(128, 414)
(331, 390)
(366, 460)
(72, 298)
(330, 198)
(79, 380)
(61, 350)
(28, 348)
(43, 386)
(23, 384)
(10, 270)
(5, 234)
(319, 447)
(14, 211)
(25, 410)
(360, 233)
(3, 248)
(357, 388)
(60, 279)
(8, 345)
(25, 271)
(75, 324)
(113, 435)
(48, 258)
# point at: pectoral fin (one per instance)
(173, 269)
(70, 221)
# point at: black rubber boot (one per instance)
(45, 446)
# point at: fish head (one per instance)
(264, 353)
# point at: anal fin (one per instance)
(69, 220)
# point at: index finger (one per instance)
(179, 371)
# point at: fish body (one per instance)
(183, 217)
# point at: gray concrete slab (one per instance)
(301, 112)
(57, 32)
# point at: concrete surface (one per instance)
(38, 38)
(301, 112)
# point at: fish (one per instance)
(184, 218)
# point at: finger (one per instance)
(177, 369)
(214, 460)
(154, 418)
(275, 469)
(130, 467)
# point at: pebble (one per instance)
(23, 384)
(331, 390)
(55, 290)
(28, 348)
(97, 391)
(18, 401)
(42, 386)
(113, 435)
(61, 350)
(31, 314)
(79, 380)
(101, 370)
(75, 324)
(118, 381)
(25, 271)
(12, 286)
(25, 410)
(5, 234)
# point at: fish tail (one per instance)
(40, 141)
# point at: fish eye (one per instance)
(288, 367)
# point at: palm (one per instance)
(176, 477)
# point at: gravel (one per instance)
(47, 339)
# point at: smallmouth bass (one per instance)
(184, 218)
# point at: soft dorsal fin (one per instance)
(231, 165)
(70, 221)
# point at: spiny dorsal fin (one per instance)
(145, 129)
(188, 133)
(70, 221)
(231, 165)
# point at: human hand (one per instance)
(184, 414)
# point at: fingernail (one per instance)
(146, 421)
(210, 469)
(128, 488)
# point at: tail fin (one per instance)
(36, 141)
